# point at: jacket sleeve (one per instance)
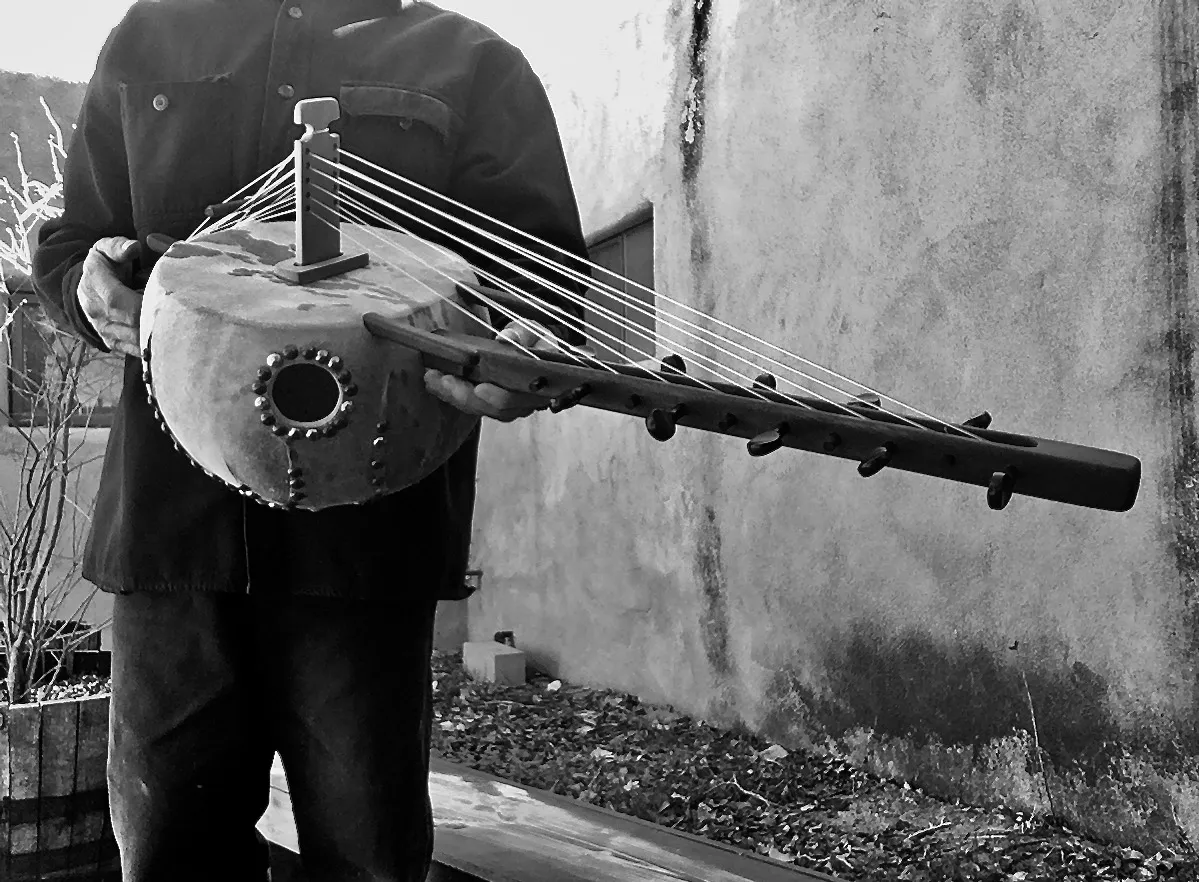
(96, 200)
(510, 165)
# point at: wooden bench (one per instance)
(492, 830)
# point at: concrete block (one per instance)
(494, 662)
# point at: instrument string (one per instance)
(271, 174)
(586, 360)
(718, 368)
(583, 358)
(286, 212)
(246, 211)
(573, 321)
(470, 314)
(586, 279)
(659, 296)
(275, 197)
(281, 194)
(277, 212)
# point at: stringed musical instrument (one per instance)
(279, 390)
(406, 305)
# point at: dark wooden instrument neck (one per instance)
(857, 429)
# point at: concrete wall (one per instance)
(968, 206)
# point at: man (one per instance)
(238, 630)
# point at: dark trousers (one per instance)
(207, 687)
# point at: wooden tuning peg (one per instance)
(674, 363)
(765, 381)
(769, 441)
(866, 400)
(877, 460)
(224, 209)
(661, 423)
(999, 491)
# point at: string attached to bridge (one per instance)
(517, 263)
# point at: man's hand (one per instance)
(113, 308)
(486, 399)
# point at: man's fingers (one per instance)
(527, 334)
(517, 334)
(444, 387)
(502, 400)
(118, 249)
(119, 337)
(125, 304)
(113, 308)
(483, 399)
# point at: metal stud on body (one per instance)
(378, 461)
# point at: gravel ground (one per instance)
(812, 811)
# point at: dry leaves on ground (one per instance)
(817, 812)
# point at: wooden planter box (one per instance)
(54, 822)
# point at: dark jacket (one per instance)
(426, 93)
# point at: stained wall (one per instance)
(966, 206)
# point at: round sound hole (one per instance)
(305, 394)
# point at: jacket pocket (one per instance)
(406, 131)
(175, 168)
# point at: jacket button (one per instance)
(286, 91)
(296, 12)
(161, 102)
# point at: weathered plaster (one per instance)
(968, 206)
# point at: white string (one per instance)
(713, 365)
(621, 295)
(421, 282)
(283, 197)
(523, 295)
(248, 211)
(719, 369)
(283, 213)
(722, 371)
(583, 358)
(271, 173)
(586, 279)
(574, 322)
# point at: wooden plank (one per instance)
(501, 832)
(60, 727)
(93, 742)
(24, 735)
(92, 767)
(24, 726)
(59, 731)
(55, 757)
